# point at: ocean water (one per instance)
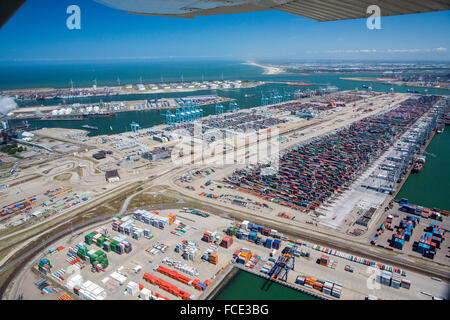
(58, 75)
(83, 73)
(430, 187)
(247, 286)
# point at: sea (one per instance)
(53, 74)
(247, 286)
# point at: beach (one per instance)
(268, 70)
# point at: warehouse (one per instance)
(112, 176)
(156, 154)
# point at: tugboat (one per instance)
(447, 119)
(440, 128)
(418, 166)
(86, 126)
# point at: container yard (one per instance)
(314, 172)
(41, 206)
(183, 253)
(415, 230)
(111, 262)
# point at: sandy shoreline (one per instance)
(267, 69)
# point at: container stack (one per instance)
(318, 285)
(147, 234)
(153, 218)
(209, 236)
(301, 253)
(252, 236)
(328, 287)
(132, 288)
(117, 221)
(45, 266)
(196, 212)
(300, 280)
(211, 251)
(189, 249)
(90, 291)
(312, 172)
(399, 239)
(430, 241)
(336, 291)
(180, 229)
(324, 260)
(180, 266)
(267, 266)
(98, 260)
(253, 261)
(268, 243)
(385, 278)
(213, 258)
(227, 241)
(164, 285)
(406, 284)
(357, 259)
(396, 281)
(172, 218)
(276, 244)
(243, 256)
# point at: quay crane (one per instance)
(264, 100)
(233, 106)
(283, 265)
(219, 109)
(186, 111)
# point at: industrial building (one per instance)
(156, 154)
(112, 176)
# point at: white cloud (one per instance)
(416, 50)
(352, 51)
(440, 49)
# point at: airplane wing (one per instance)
(319, 10)
(8, 8)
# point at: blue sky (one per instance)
(38, 31)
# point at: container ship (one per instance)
(447, 119)
(418, 166)
(77, 117)
(99, 115)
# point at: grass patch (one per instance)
(4, 166)
(7, 273)
(63, 177)
(23, 181)
(144, 199)
(101, 210)
(89, 159)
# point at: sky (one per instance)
(38, 31)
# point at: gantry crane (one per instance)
(285, 263)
